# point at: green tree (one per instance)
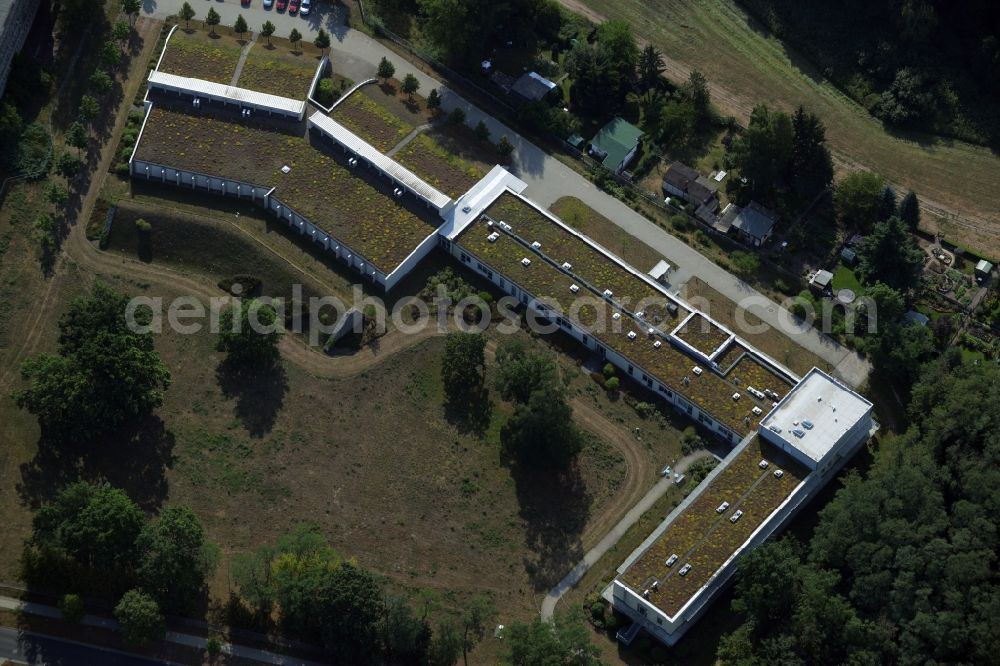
(541, 431)
(100, 82)
(267, 30)
(521, 372)
(68, 166)
(240, 26)
(324, 92)
(674, 124)
(131, 9)
(322, 41)
(811, 165)
(89, 108)
(651, 67)
(617, 44)
(71, 607)
(886, 204)
(909, 211)
(446, 646)
(457, 116)
(504, 147)
(889, 303)
(596, 88)
(433, 100)
(295, 37)
(104, 374)
(898, 350)
(187, 13)
(110, 55)
(696, 91)
(93, 524)
(405, 639)
(212, 19)
(746, 264)
(564, 640)
(763, 152)
(213, 648)
(345, 610)
(174, 559)
(386, 70)
(56, 194)
(463, 367)
(856, 200)
(249, 333)
(410, 85)
(141, 621)
(890, 255)
(476, 618)
(121, 31)
(11, 126)
(482, 131)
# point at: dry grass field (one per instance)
(747, 66)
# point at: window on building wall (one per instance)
(502, 283)
(645, 377)
(642, 610)
(465, 257)
(659, 620)
(630, 369)
(585, 339)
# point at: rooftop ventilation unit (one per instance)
(567, 266)
(536, 246)
(697, 371)
(774, 404)
(757, 394)
(466, 208)
(808, 425)
(722, 507)
(778, 473)
(631, 335)
(526, 262)
(608, 293)
(774, 428)
(493, 237)
(505, 226)
(645, 593)
(657, 344)
(640, 314)
(489, 223)
(770, 394)
(684, 570)
(672, 560)
(616, 315)
(799, 433)
(736, 516)
(763, 464)
(655, 585)
(651, 331)
(737, 396)
(573, 288)
(286, 169)
(757, 411)
(686, 380)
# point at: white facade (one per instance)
(16, 17)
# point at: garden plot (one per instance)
(196, 54)
(372, 122)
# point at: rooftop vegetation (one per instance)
(371, 122)
(352, 206)
(748, 371)
(278, 72)
(438, 167)
(195, 54)
(728, 357)
(702, 334)
(705, 538)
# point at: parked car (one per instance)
(293, 6)
(268, 4)
(282, 5)
(305, 8)
(245, 3)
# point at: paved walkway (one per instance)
(406, 139)
(243, 59)
(197, 642)
(356, 55)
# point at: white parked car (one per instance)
(305, 8)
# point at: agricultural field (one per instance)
(372, 122)
(280, 69)
(195, 53)
(745, 66)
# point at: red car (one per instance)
(293, 6)
(282, 4)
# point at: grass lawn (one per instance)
(775, 344)
(280, 69)
(195, 53)
(746, 66)
(360, 114)
(603, 231)
(844, 278)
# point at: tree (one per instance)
(240, 27)
(696, 90)
(212, 19)
(71, 607)
(617, 44)
(410, 85)
(173, 558)
(295, 37)
(446, 646)
(898, 350)
(110, 55)
(504, 147)
(746, 264)
(457, 116)
(249, 334)
(650, 67)
(596, 86)
(890, 255)
(267, 30)
(11, 126)
(187, 13)
(405, 639)
(909, 211)
(141, 621)
(478, 614)
(811, 166)
(541, 431)
(89, 108)
(762, 153)
(324, 92)
(386, 69)
(121, 31)
(100, 82)
(889, 304)
(56, 194)
(886, 204)
(104, 374)
(463, 366)
(564, 640)
(95, 525)
(322, 41)
(433, 100)
(76, 136)
(521, 372)
(68, 166)
(131, 9)
(674, 124)
(482, 131)
(856, 200)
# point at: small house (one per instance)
(822, 282)
(983, 270)
(849, 256)
(682, 181)
(615, 145)
(531, 87)
(753, 223)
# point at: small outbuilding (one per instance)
(822, 281)
(616, 144)
(849, 256)
(682, 181)
(917, 318)
(531, 87)
(983, 270)
(753, 223)
(660, 271)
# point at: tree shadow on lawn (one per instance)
(473, 414)
(134, 459)
(555, 506)
(259, 393)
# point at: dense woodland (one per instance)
(932, 65)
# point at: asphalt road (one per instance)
(37, 649)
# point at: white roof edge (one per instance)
(478, 198)
(231, 93)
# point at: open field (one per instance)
(746, 66)
(197, 54)
(775, 344)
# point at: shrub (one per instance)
(680, 222)
(609, 370)
(612, 384)
(324, 92)
(142, 226)
(457, 116)
(71, 607)
(140, 617)
(644, 409)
